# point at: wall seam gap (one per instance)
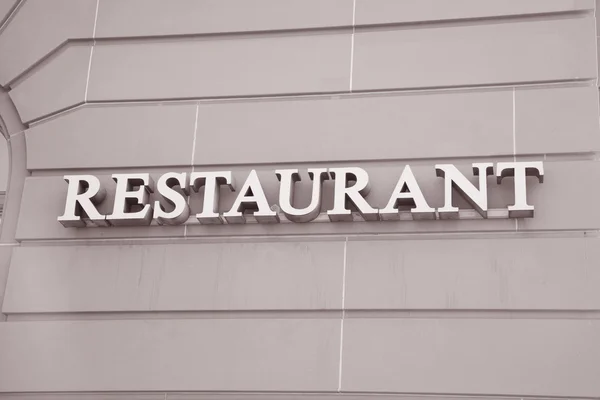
(343, 315)
(192, 158)
(87, 81)
(597, 61)
(11, 15)
(597, 90)
(514, 136)
(596, 47)
(212, 239)
(597, 64)
(194, 137)
(352, 42)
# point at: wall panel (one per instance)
(556, 120)
(230, 66)
(114, 136)
(181, 17)
(544, 50)
(411, 11)
(178, 355)
(564, 203)
(392, 126)
(484, 274)
(504, 357)
(176, 277)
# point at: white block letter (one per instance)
(252, 198)
(354, 194)
(211, 182)
(175, 198)
(407, 194)
(133, 191)
(83, 193)
(288, 178)
(520, 170)
(453, 178)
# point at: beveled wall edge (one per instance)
(13, 131)
(12, 128)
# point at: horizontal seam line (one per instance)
(334, 314)
(355, 311)
(466, 159)
(308, 393)
(315, 95)
(398, 235)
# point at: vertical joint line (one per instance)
(352, 42)
(87, 80)
(514, 136)
(597, 60)
(95, 19)
(194, 137)
(514, 124)
(343, 316)
(596, 25)
(192, 157)
(344, 278)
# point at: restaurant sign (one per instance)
(132, 205)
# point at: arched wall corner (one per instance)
(13, 130)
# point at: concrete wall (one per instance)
(400, 309)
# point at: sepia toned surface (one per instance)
(453, 309)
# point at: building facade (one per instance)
(490, 301)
